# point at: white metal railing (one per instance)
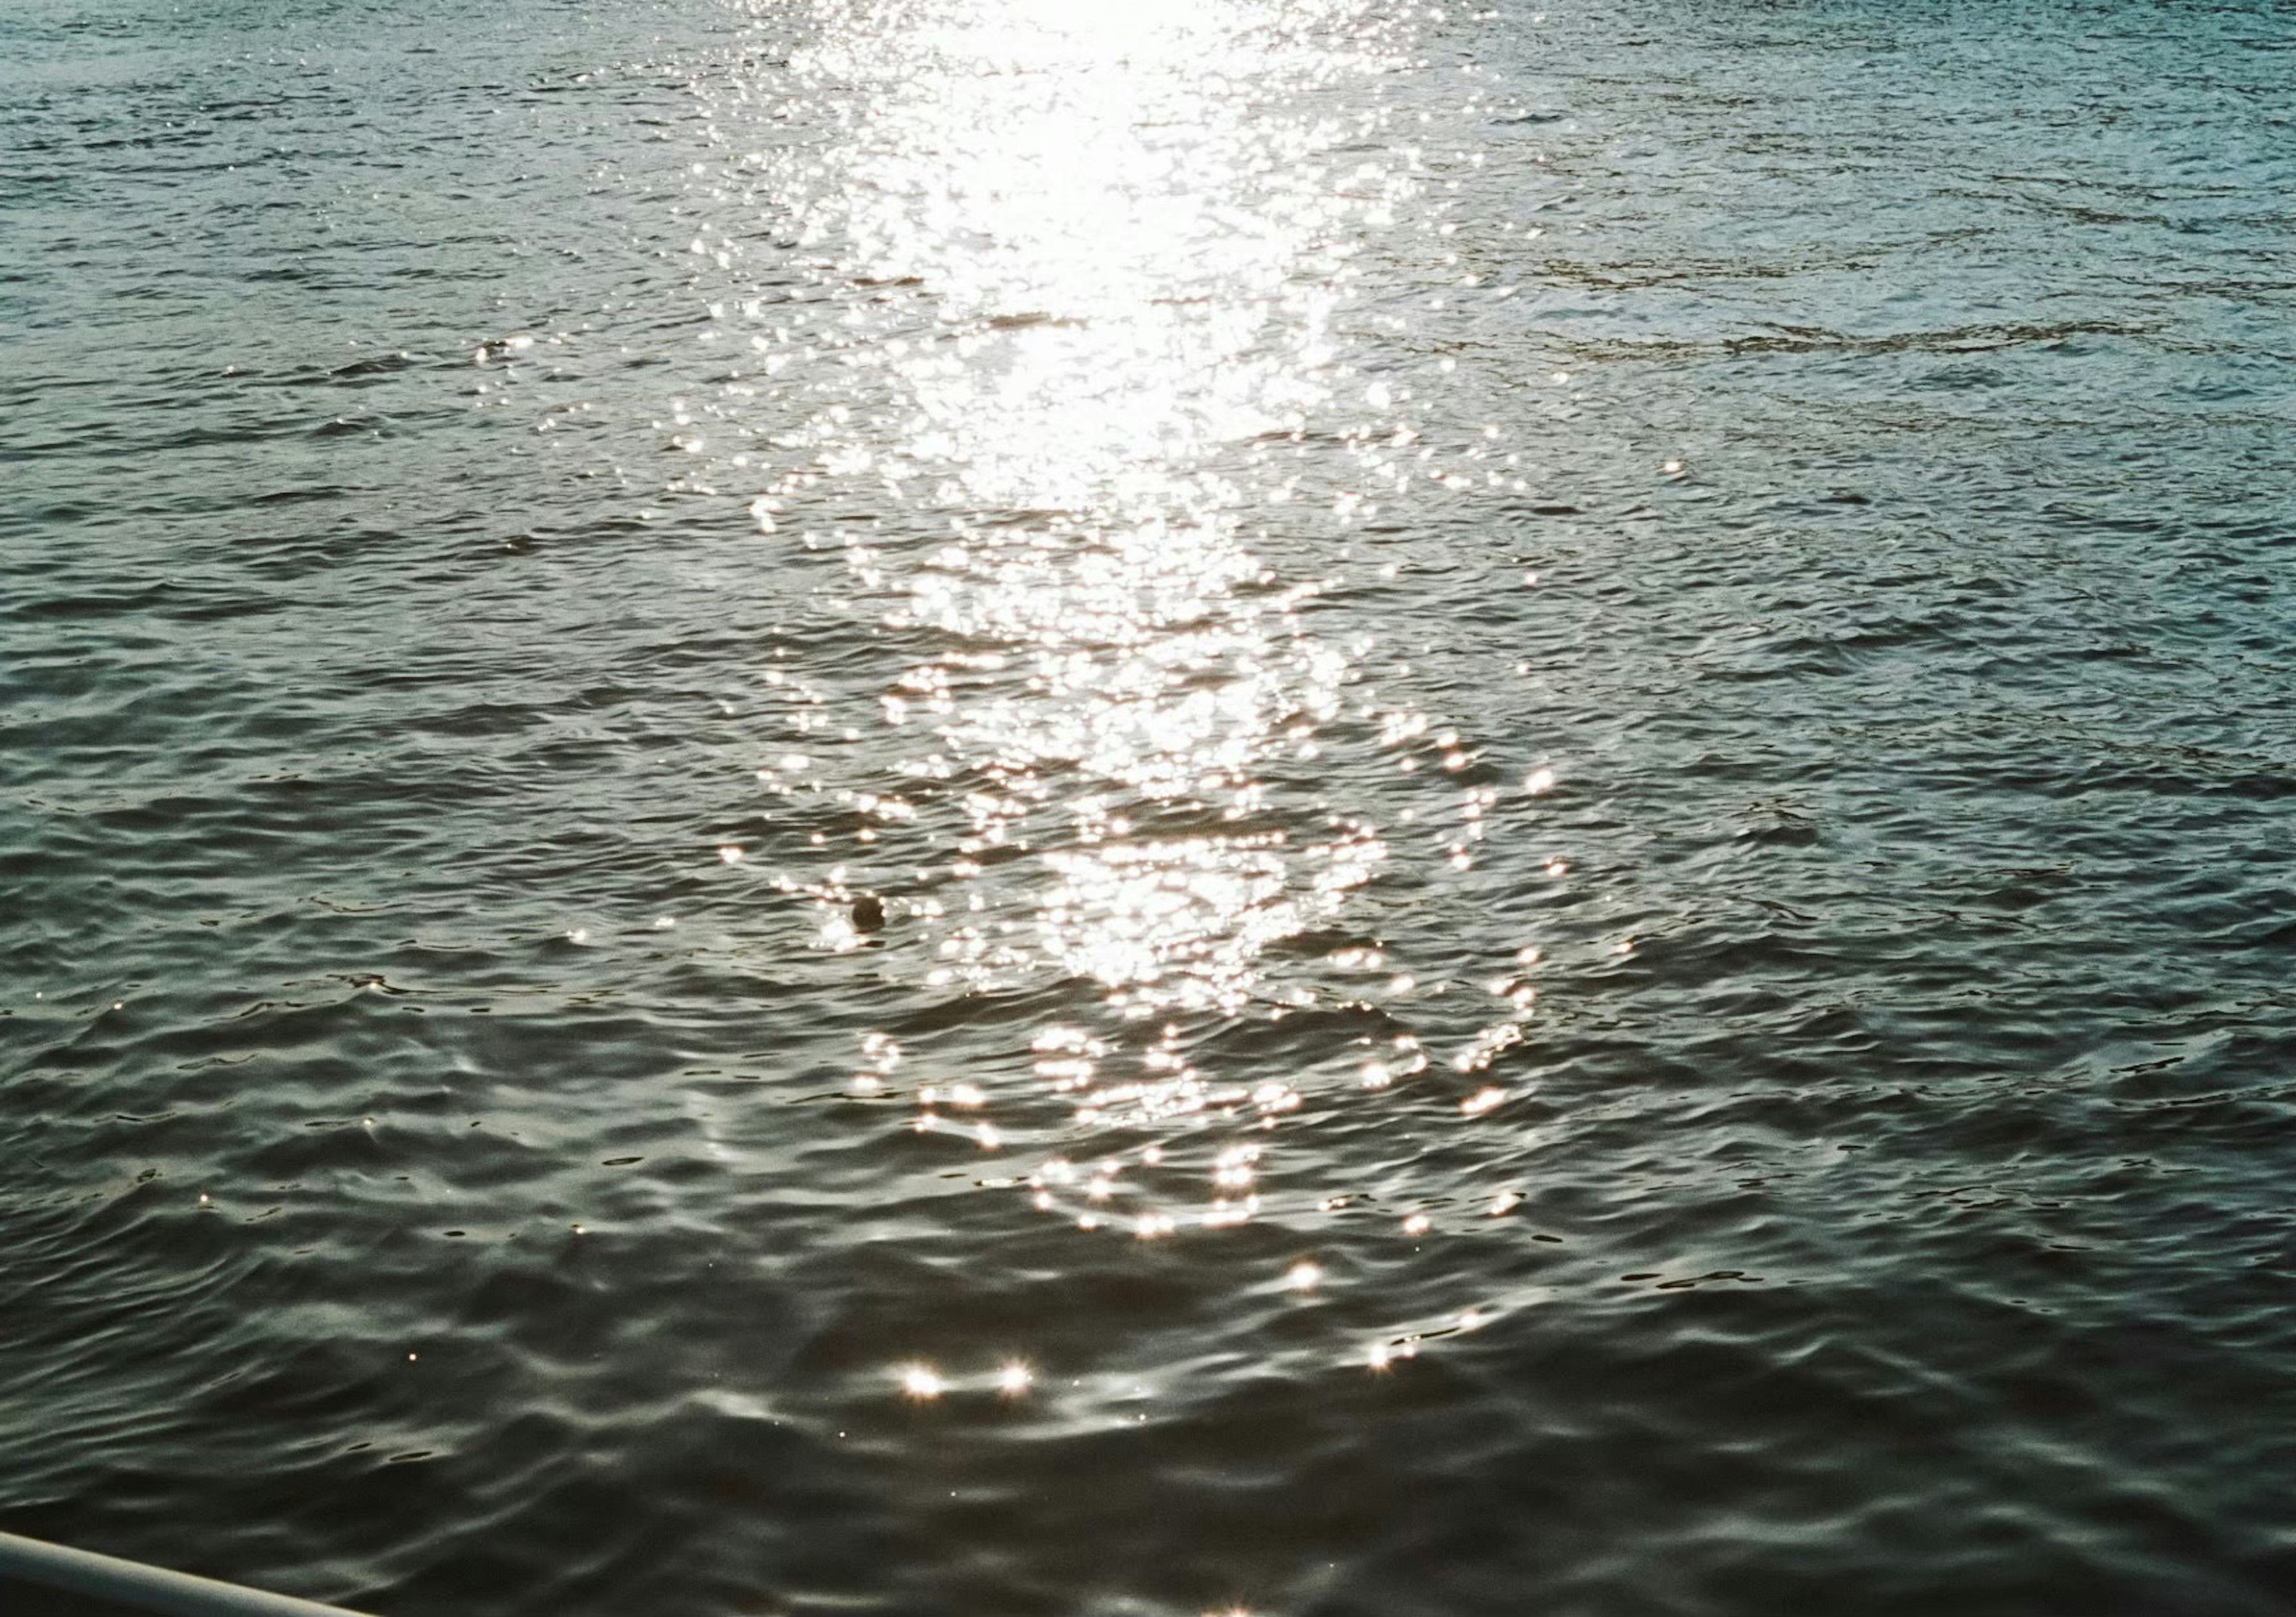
(143, 1589)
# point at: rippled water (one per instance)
(1573, 728)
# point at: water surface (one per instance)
(1572, 723)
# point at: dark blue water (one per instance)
(1572, 726)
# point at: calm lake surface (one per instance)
(1577, 728)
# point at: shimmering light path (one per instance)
(1108, 248)
(1133, 810)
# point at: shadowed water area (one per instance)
(1572, 725)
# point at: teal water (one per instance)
(1572, 724)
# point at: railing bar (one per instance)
(145, 1588)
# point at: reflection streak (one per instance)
(1103, 251)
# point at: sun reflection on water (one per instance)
(1089, 374)
(1131, 270)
